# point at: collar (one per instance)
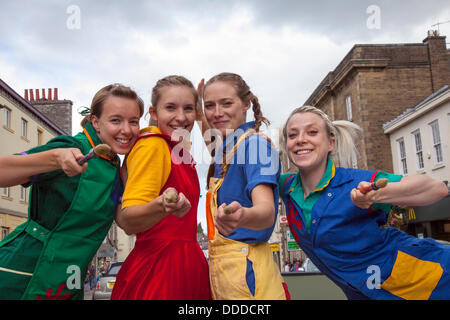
(232, 138)
(296, 189)
(94, 140)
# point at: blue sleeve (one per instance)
(262, 164)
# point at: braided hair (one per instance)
(245, 95)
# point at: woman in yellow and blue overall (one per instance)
(339, 227)
(244, 176)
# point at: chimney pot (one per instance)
(37, 94)
(49, 95)
(56, 94)
(26, 94)
(43, 93)
(31, 95)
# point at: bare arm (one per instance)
(17, 169)
(139, 218)
(418, 190)
(260, 216)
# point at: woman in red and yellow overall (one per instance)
(166, 262)
(243, 177)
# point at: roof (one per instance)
(30, 107)
(411, 110)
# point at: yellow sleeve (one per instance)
(148, 166)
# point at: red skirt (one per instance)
(161, 269)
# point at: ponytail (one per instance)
(345, 150)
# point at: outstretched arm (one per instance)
(17, 169)
(259, 216)
(418, 190)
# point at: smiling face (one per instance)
(175, 109)
(223, 108)
(118, 124)
(307, 141)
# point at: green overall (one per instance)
(68, 248)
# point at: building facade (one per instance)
(371, 86)
(420, 139)
(375, 83)
(22, 127)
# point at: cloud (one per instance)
(283, 49)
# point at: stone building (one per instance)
(59, 111)
(374, 83)
(22, 127)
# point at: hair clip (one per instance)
(84, 111)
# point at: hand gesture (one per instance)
(360, 199)
(67, 161)
(229, 217)
(175, 203)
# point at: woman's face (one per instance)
(307, 141)
(175, 109)
(224, 110)
(118, 125)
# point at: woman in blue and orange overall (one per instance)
(246, 182)
(166, 262)
(339, 227)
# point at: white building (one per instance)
(420, 140)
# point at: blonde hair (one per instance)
(343, 132)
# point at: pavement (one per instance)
(88, 294)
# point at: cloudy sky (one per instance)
(283, 49)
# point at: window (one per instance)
(5, 192)
(437, 147)
(402, 153)
(23, 193)
(348, 103)
(7, 117)
(5, 232)
(40, 137)
(419, 152)
(24, 127)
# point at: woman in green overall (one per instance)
(72, 206)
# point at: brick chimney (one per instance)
(439, 66)
(29, 94)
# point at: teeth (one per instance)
(303, 151)
(123, 141)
